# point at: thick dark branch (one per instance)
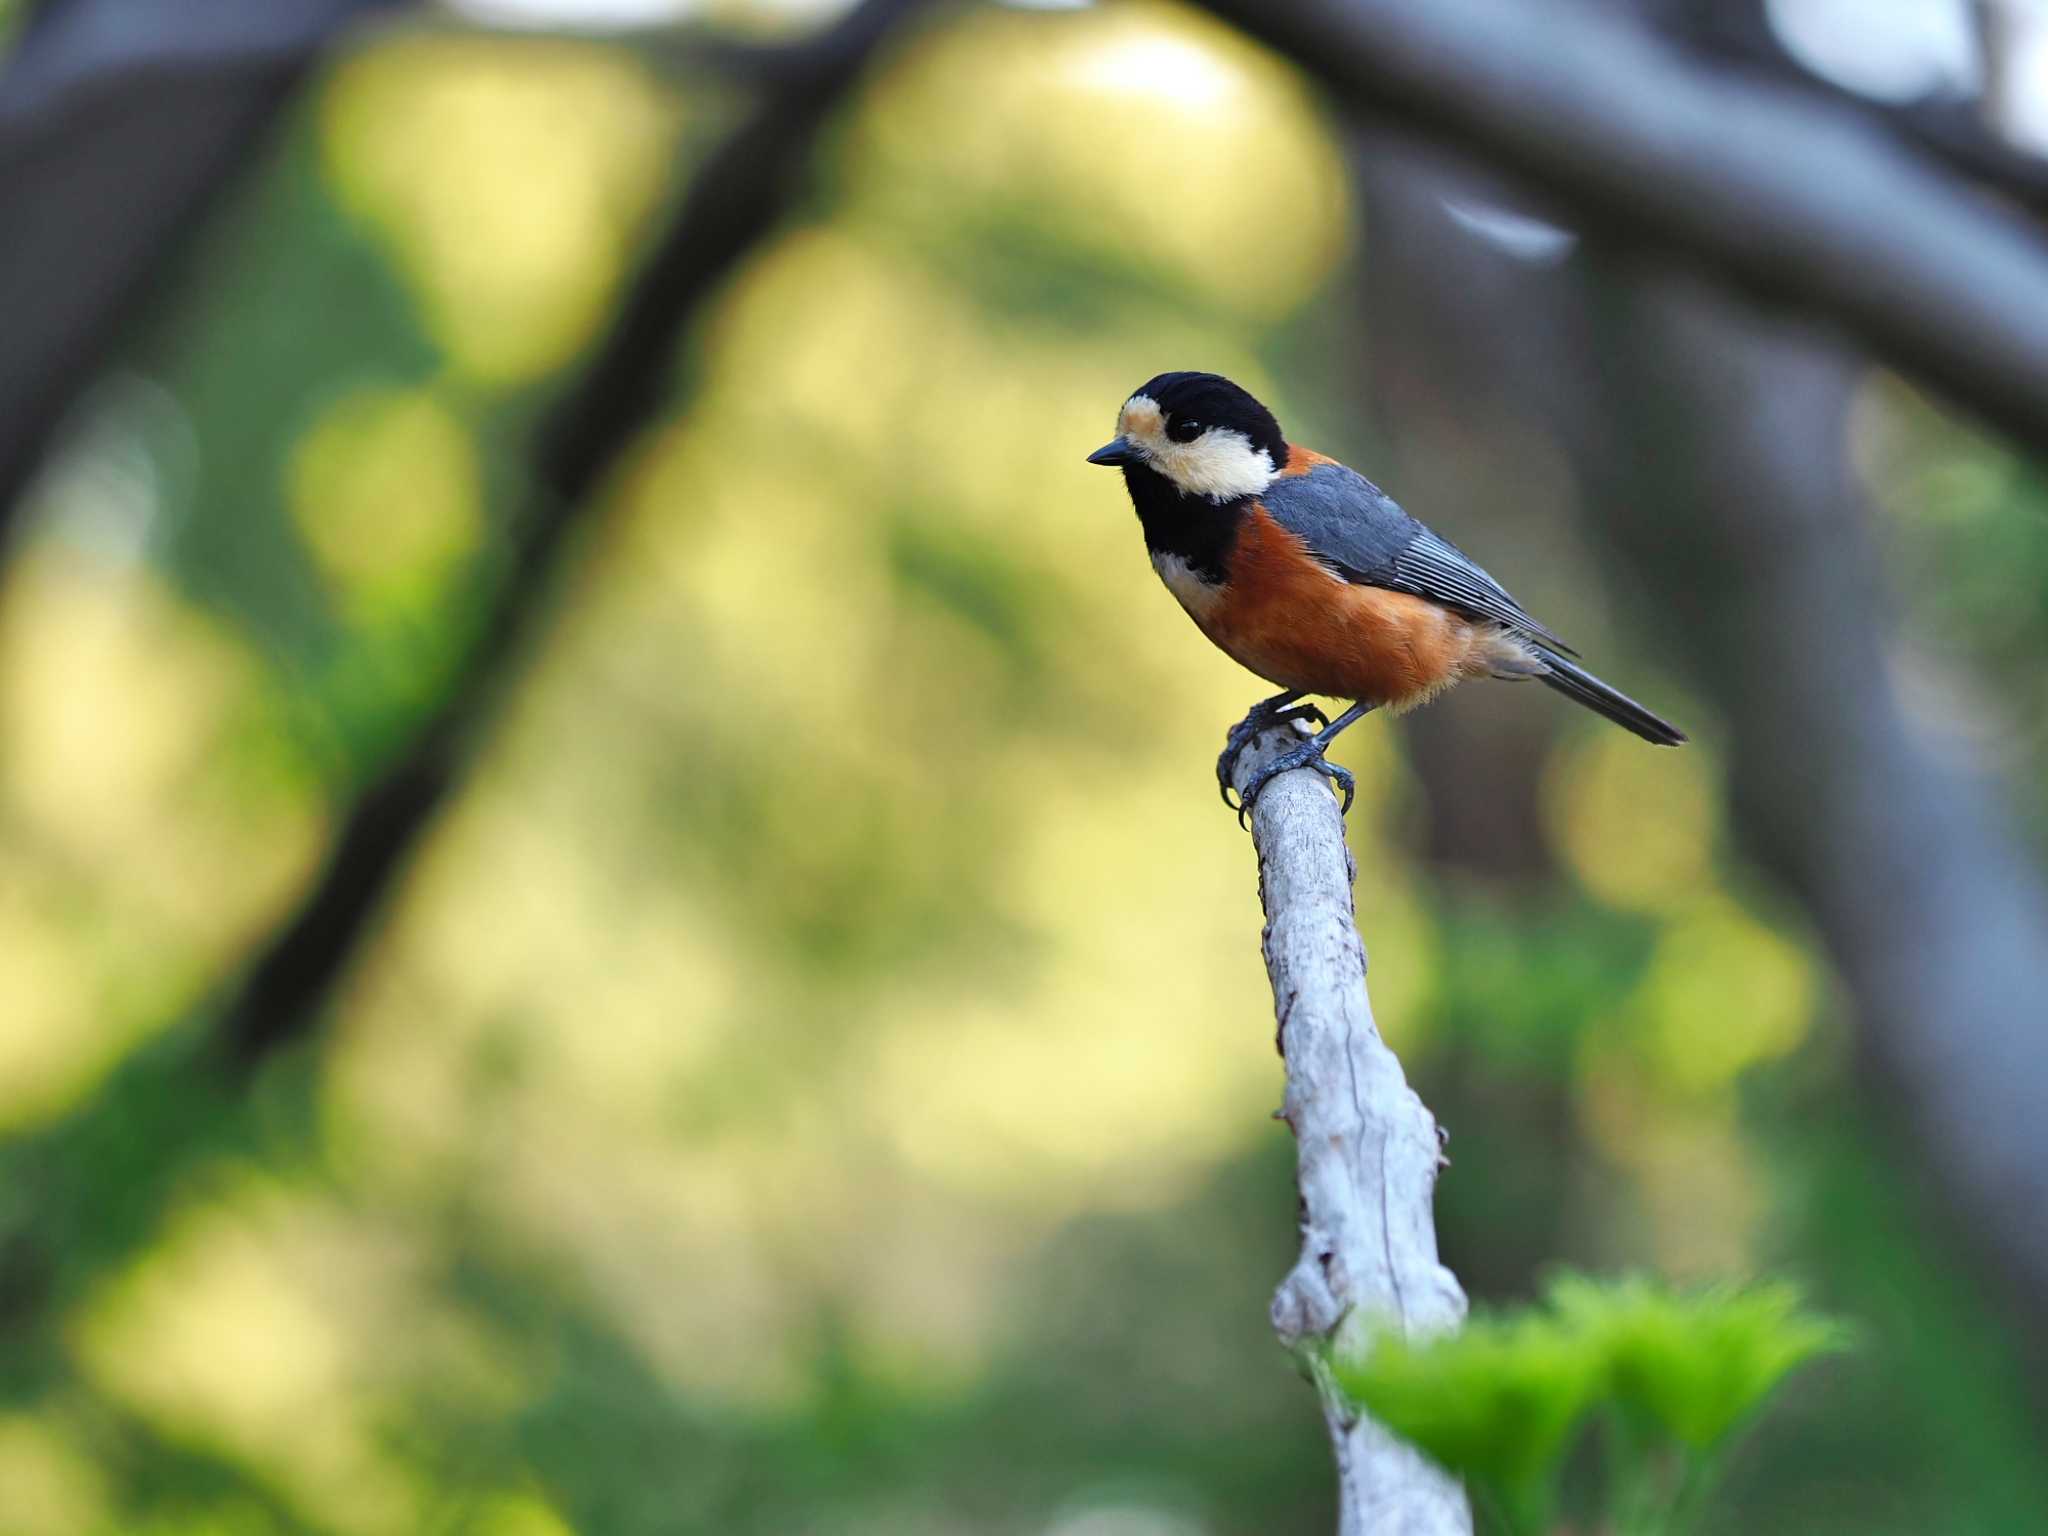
(737, 199)
(72, 50)
(119, 125)
(1960, 129)
(1785, 193)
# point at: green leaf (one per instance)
(1694, 1364)
(1495, 1403)
(1498, 1403)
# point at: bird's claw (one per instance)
(1308, 755)
(1262, 717)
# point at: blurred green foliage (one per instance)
(1692, 1366)
(1496, 1404)
(817, 1076)
(1672, 1374)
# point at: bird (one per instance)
(1309, 575)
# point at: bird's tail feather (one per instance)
(1582, 687)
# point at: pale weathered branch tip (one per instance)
(1369, 1152)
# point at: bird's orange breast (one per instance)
(1287, 617)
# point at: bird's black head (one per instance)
(1200, 434)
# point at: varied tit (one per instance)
(1310, 575)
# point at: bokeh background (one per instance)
(814, 1073)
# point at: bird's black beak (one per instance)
(1117, 450)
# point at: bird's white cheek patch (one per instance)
(1195, 595)
(1220, 464)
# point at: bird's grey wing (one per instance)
(1361, 533)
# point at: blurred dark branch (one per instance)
(1997, 32)
(1955, 127)
(73, 52)
(1789, 195)
(736, 200)
(119, 127)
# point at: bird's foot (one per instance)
(1263, 716)
(1308, 755)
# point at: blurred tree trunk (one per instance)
(1709, 443)
(1429, 368)
(1720, 473)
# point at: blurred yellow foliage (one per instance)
(55, 1040)
(119, 705)
(1723, 994)
(48, 1487)
(250, 1330)
(1636, 827)
(263, 1327)
(510, 178)
(1156, 136)
(522, 1514)
(386, 488)
(1403, 953)
(1138, 1056)
(1698, 1187)
(112, 695)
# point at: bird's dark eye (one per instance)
(1185, 430)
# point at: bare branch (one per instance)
(1369, 1153)
(1775, 188)
(738, 197)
